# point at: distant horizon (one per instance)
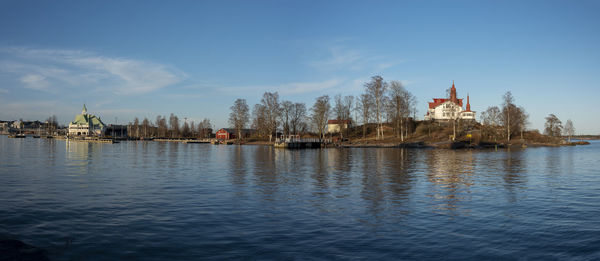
(193, 59)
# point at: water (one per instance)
(170, 201)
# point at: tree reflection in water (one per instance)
(400, 176)
(238, 168)
(265, 172)
(513, 169)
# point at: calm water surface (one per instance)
(170, 201)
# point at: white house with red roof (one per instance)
(449, 109)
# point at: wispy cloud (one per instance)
(35, 82)
(287, 88)
(340, 58)
(337, 58)
(54, 70)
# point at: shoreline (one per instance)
(376, 144)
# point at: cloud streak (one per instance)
(287, 88)
(339, 58)
(52, 70)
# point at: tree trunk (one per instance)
(364, 131)
(453, 130)
(401, 134)
(508, 125)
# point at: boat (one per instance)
(21, 136)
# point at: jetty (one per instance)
(92, 140)
(295, 142)
(185, 140)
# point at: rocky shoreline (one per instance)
(458, 145)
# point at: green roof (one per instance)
(87, 119)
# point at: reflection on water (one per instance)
(172, 201)
(514, 173)
(238, 169)
(79, 155)
(451, 175)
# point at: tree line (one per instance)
(504, 122)
(553, 127)
(171, 128)
(381, 102)
(510, 120)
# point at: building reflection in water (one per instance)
(450, 173)
(79, 155)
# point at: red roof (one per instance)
(439, 101)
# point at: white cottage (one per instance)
(449, 109)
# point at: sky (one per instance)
(127, 59)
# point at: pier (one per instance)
(185, 140)
(295, 142)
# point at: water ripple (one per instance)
(170, 201)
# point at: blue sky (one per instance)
(194, 58)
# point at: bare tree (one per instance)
(320, 114)
(136, 127)
(401, 103)
(205, 128)
(453, 110)
(174, 125)
(145, 127)
(161, 123)
(259, 120)
(376, 89)
(343, 110)
(193, 130)
(348, 108)
(553, 126)
(270, 101)
(522, 120)
(52, 124)
(297, 117)
(287, 108)
(508, 108)
(186, 132)
(569, 129)
(364, 105)
(490, 120)
(158, 127)
(238, 118)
